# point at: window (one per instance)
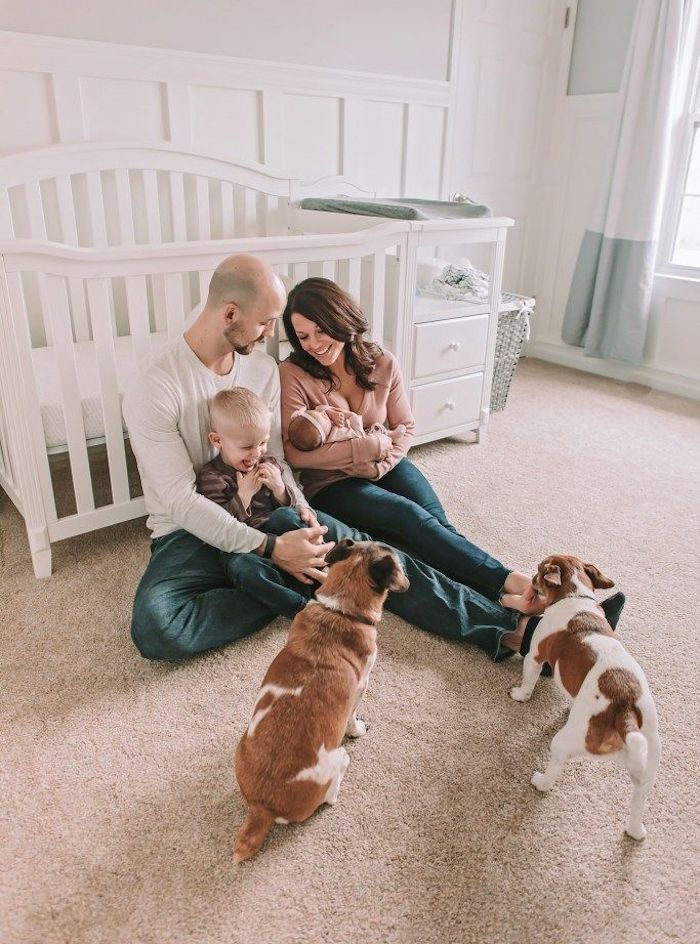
(679, 252)
(686, 245)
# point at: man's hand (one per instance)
(271, 476)
(299, 553)
(308, 516)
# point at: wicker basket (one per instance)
(513, 331)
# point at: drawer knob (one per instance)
(450, 404)
(454, 345)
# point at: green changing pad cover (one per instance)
(401, 208)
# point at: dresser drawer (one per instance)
(447, 403)
(455, 344)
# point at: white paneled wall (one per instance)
(477, 131)
(387, 133)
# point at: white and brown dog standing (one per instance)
(613, 714)
(290, 759)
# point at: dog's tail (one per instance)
(252, 833)
(635, 742)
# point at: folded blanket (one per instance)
(463, 282)
(401, 208)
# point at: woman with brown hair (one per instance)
(332, 364)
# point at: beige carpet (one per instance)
(119, 802)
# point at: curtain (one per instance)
(610, 296)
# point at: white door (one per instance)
(584, 129)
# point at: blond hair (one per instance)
(237, 407)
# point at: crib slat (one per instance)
(96, 209)
(203, 215)
(227, 213)
(250, 199)
(298, 271)
(98, 291)
(54, 301)
(245, 210)
(66, 210)
(69, 235)
(18, 310)
(125, 207)
(263, 207)
(137, 307)
(328, 269)
(239, 210)
(174, 304)
(150, 188)
(177, 203)
(354, 277)
(376, 313)
(35, 210)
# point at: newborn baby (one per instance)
(309, 429)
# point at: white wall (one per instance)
(378, 97)
(392, 133)
(394, 37)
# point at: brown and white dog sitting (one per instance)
(613, 714)
(290, 759)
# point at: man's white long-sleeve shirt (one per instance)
(166, 411)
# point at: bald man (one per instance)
(185, 602)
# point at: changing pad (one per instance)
(49, 390)
(401, 208)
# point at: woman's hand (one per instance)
(271, 476)
(386, 444)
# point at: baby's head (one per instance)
(308, 429)
(240, 427)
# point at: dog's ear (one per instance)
(552, 576)
(342, 550)
(597, 579)
(386, 573)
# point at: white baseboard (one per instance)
(666, 381)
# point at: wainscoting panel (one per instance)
(226, 121)
(119, 110)
(387, 132)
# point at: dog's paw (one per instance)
(637, 831)
(540, 783)
(519, 694)
(356, 728)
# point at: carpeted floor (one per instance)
(118, 797)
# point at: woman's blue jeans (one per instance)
(186, 602)
(402, 509)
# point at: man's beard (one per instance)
(233, 337)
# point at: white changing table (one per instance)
(445, 348)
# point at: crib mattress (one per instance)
(49, 391)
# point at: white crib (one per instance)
(105, 251)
